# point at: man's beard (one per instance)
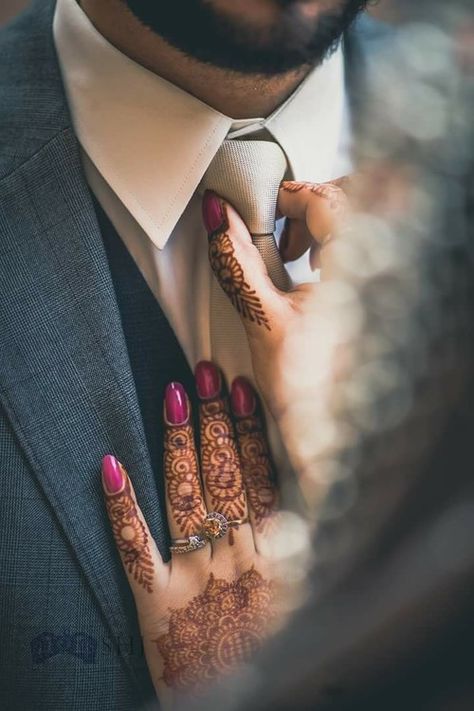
(203, 32)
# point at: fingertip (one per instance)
(208, 380)
(176, 404)
(113, 474)
(213, 212)
(243, 399)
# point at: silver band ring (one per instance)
(187, 545)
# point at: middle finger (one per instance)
(224, 489)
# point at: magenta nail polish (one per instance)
(112, 474)
(176, 404)
(242, 398)
(208, 380)
(212, 212)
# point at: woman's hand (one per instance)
(290, 346)
(209, 609)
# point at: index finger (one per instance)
(185, 505)
(140, 557)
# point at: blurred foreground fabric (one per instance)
(390, 593)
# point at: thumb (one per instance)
(239, 268)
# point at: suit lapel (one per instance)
(65, 378)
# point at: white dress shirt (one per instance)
(146, 145)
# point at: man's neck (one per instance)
(233, 94)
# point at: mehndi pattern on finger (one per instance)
(130, 536)
(230, 276)
(216, 631)
(257, 471)
(220, 461)
(182, 480)
(332, 192)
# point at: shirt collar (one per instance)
(152, 142)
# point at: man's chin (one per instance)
(221, 33)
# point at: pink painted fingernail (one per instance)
(112, 474)
(176, 404)
(208, 380)
(212, 212)
(242, 398)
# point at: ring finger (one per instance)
(224, 489)
(256, 462)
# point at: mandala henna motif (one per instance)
(231, 278)
(216, 631)
(130, 536)
(220, 462)
(257, 471)
(182, 480)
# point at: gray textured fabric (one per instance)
(67, 397)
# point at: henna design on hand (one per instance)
(220, 462)
(230, 276)
(216, 631)
(130, 535)
(291, 186)
(257, 471)
(182, 480)
(332, 192)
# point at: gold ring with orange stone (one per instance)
(216, 525)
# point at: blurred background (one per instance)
(9, 8)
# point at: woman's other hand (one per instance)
(209, 609)
(290, 341)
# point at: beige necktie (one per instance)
(248, 174)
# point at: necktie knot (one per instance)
(248, 174)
